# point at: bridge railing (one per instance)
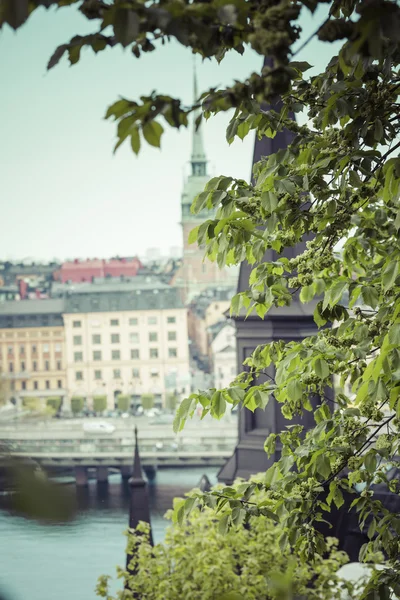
(126, 446)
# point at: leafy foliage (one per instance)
(99, 403)
(123, 403)
(202, 559)
(77, 403)
(147, 401)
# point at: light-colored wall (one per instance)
(50, 378)
(152, 371)
(224, 362)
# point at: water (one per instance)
(62, 562)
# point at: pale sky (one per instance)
(63, 192)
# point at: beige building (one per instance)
(224, 358)
(125, 340)
(205, 310)
(32, 350)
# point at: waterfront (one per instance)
(39, 562)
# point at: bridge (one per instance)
(60, 447)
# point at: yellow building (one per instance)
(32, 350)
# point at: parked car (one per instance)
(96, 427)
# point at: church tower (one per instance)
(196, 273)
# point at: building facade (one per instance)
(223, 355)
(32, 350)
(127, 342)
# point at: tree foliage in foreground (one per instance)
(336, 186)
(202, 560)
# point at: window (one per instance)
(10, 350)
(153, 353)
(115, 338)
(172, 352)
(22, 366)
(11, 367)
(153, 337)
(23, 385)
(78, 356)
(154, 373)
(135, 373)
(117, 374)
(57, 347)
(77, 340)
(135, 354)
(133, 321)
(97, 374)
(152, 320)
(34, 349)
(46, 365)
(134, 338)
(114, 322)
(96, 355)
(76, 323)
(34, 365)
(46, 348)
(59, 367)
(96, 338)
(47, 384)
(22, 350)
(59, 384)
(171, 336)
(115, 354)
(78, 375)
(35, 385)
(171, 319)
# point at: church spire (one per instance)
(198, 159)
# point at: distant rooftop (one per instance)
(32, 307)
(108, 284)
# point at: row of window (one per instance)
(34, 349)
(133, 321)
(115, 338)
(35, 385)
(135, 354)
(116, 374)
(22, 366)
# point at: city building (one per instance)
(32, 350)
(126, 340)
(196, 273)
(223, 354)
(86, 270)
(204, 311)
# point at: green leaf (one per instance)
(223, 524)
(126, 26)
(152, 132)
(390, 274)
(135, 139)
(269, 201)
(193, 235)
(321, 368)
(218, 404)
(323, 465)
(294, 390)
(370, 296)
